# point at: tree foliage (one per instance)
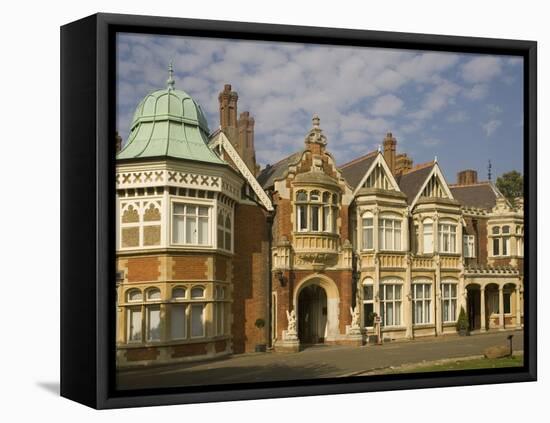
(511, 185)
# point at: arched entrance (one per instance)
(312, 314)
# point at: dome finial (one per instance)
(170, 80)
(316, 121)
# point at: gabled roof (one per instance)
(481, 195)
(267, 176)
(354, 171)
(411, 181)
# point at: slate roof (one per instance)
(354, 171)
(268, 175)
(411, 182)
(482, 194)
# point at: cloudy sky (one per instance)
(463, 108)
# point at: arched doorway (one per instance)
(312, 314)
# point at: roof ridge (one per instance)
(479, 183)
(358, 159)
(419, 166)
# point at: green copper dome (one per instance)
(169, 123)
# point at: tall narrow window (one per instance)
(389, 234)
(447, 237)
(469, 249)
(368, 232)
(422, 300)
(153, 323)
(390, 304)
(197, 320)
(134, 324)
(301, 210)
(368, 303)
(178, 321)
(428, 236)
(448, 301)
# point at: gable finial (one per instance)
(170, 82)
(435, 159)
(379, 148)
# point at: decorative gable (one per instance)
(434, 186)
(378, 176)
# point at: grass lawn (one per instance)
(460, 364)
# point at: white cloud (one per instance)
(481, 69)
(387, 105)
(458, 117)
(491, 126)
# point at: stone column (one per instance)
(408, 309)
(437, 302)
(483, 326)
(500, 308)
(518, 307)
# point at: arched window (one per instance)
(368, 302)
(447, 236)
(197, 292)
(134, 295)
(368, 231)
(179, 293)
(153, 294)
(389, 232)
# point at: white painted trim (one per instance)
(243, 168)
(378, 161)
(437, 172)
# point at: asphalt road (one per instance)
(314, 362)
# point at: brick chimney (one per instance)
(246, 140)
(403, 163)
(390, 144)
(467, 177)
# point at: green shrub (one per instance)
(462, 323)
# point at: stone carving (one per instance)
(291, 333)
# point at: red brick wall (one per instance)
(189, 267)
(221, 268)
(139, 354)
(143, 269)
(189, 350)
(250, 278)
(477, 226)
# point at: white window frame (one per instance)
(194, 243)
(319, 206)
(366, 227)
(447, 228)
(394, 226)
(129, 324)
(397, 317)
(469, 246)
(427, 235)
(451, 299)
(425, 301)
(148, 309)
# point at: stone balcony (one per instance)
(316, 248)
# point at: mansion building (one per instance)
(216, 256)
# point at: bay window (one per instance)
(224, 230)
(197, 320)
(178, 321)
(390, 303)
(134, 323)
(389, 234)
(368, 231)
(428, 236)
(190, 224)
(447, 237)
(422, 301)
(315, 212)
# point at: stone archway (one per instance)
(316, 301)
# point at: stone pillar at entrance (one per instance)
(482, 327)
(500, 308)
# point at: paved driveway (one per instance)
(318, 361)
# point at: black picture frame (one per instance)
(87, 209)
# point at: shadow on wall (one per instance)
(227, 375)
